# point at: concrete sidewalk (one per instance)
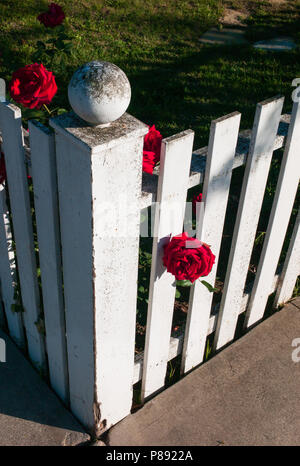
(248, 394)
(30, 413)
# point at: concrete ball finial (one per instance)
(99, 92)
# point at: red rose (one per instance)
(2, 168)
(196, 198)
(33, 86)
(148, 161)
(188, 258)
(53, 17)
(152, 142)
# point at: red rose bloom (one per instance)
(152, 143)
(33, 86)
(2, 168)
(196, 198)
(148, 161)
(53, 17)
(188, 258)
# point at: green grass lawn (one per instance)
(177, 83)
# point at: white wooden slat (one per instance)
(2, 318)
(219, 163)
(171, 196)
(43, 170)
(8, 274)
(176, 343)
(279, 218)
(10, 123)
(2, 90)
(99, 184)
(199, 160)
(256, 172)
(291, 268)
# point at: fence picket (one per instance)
(43, 170)
(219, 162)
(8, 274)
(13, 148)
(291, 268)
(279, 218)
(172, 188)
(264, 131)
(2, 90)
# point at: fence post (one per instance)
(99, 173)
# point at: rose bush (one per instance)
(33, 86)
(53, 17)
(151, 150)
(188, 258)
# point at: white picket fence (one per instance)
(81, 177)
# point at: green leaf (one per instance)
(208, 350)
(60, 111)
(177, 294)
(183, 283)
(208, 286)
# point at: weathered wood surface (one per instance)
(198, 162)
(149, 184)
(43, 171)
(285, 193)
(176, 342)
(8, 275)
(219, 163)
(99, 192)
(169, 215)
(265, 128)
(13, 148)
(291, 268)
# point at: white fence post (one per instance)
(13, 148)
(99, 183)
(8, 274)
(43, 169)
(264, 131)
(286, 190)
(219, 162)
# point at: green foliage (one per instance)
(183, 283)
(210, 288)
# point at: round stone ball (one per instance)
(99, 92)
